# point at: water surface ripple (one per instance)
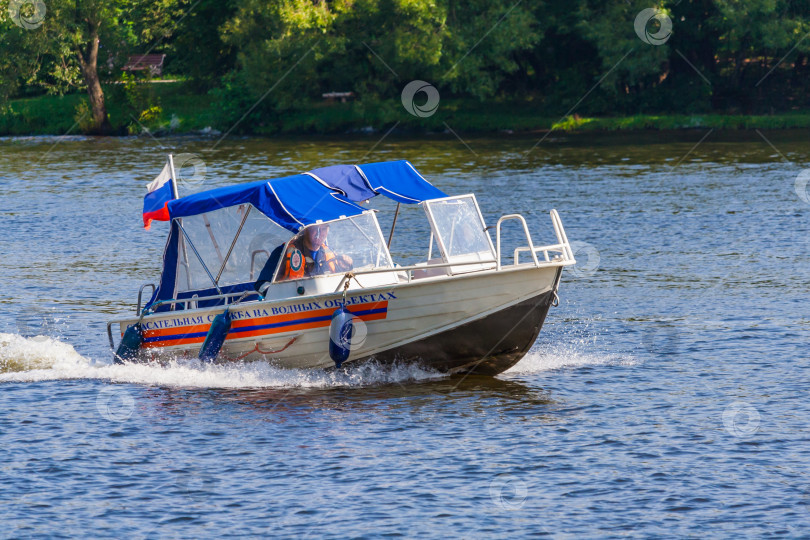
(666, 395)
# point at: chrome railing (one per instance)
(517, 217)
(407, 270)
(562, 238)
(140, 294)
(562, 246)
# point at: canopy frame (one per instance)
(202, 262)
(293, 203)
(235, 238)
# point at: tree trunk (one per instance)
(88, 61)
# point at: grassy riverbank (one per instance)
(170, 108)
(57, 115)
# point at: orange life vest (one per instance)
(298, 266)
(294, 264)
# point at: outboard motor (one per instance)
(130, 344)
(340, 335)
(215, 338)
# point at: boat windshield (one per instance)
(460, 229)
(353, 243)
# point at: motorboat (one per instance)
(283, 258)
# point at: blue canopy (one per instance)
(398, 180)
(292, 202)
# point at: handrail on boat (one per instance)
(109, 333)
(140, 293)
(562, 238)
(525, 230)
(542, 249)
(407, 269)
(562, 245)
(196, 298)
(253, 259)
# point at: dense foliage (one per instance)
(583, 56)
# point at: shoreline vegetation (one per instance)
(402, 66)
(175, 110)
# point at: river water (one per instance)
(666, 395)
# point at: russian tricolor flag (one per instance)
(159, 192)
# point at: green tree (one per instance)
(275, 38)
(70, 38)
(753, 37)
(372, 47)
(629, 66)
(485, 43)
(196, 46)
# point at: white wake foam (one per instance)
(42, 359)
(566, 355)
(19, 354)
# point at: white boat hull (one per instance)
(481, 322)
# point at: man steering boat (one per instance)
(307, 255)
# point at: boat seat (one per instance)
(430, 272)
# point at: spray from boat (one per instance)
(45, 359)
(34, 359)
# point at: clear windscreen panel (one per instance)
(212, 235)
(460, 229)
(354, 243)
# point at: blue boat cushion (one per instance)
(226, 289)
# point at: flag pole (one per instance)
(176, 196)
(174, 177)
